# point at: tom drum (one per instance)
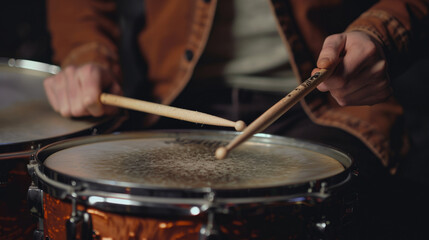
(169, 185)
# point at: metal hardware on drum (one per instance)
(79, 221)
(210, 231)
(155, 185)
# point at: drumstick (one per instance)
(273, 113)
(168, 111)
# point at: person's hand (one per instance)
(360, 75)
(75, 91)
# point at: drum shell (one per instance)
(279, 220)
(303, 214)
(116, 225)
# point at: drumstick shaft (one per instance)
(164, 110)
(278, 109)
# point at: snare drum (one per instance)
(169, 185)
(27, 123)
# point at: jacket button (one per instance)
(189, 55)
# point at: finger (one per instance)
(332, 49)
(60, 90)
(351, 67)
(330, 57)
(375, 76)
(90, 81)
(368, 95)
(360, 56)
(335, 80)
(74, 90)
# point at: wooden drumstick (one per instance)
(168, 111)
(273, 113)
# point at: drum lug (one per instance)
(79, 221)
(35, 204)
(35, 200)
(209, 231)
(39, 235)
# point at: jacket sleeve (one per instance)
(84, 31)
(402, 26)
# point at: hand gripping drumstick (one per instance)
(273, 113)
(168, 111)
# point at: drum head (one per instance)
(26, 118)
(185, 160)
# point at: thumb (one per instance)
(332, 50)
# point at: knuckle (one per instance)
(89, 73)
(383, 85)
(381, 67)
(334, 37)
(88, 101)
(77, 111)
(85, 68)
(370, 49)
(70, 70)
(341, 98)
(65, 112)
(338, 84)
(89, 69)
(342, 85)
(335, 83)
(341, 102)
(84, 71)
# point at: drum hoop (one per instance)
(143, 197)
(167, 206)
(26, 149)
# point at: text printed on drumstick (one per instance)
(273, 113)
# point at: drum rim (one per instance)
(156, 191)
(30, 65)
(25, 149)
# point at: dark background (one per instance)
(23, 31)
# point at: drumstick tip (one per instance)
(221, 153)
(240, 126)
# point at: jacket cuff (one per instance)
(385, 28)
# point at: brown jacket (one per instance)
(177, 30)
